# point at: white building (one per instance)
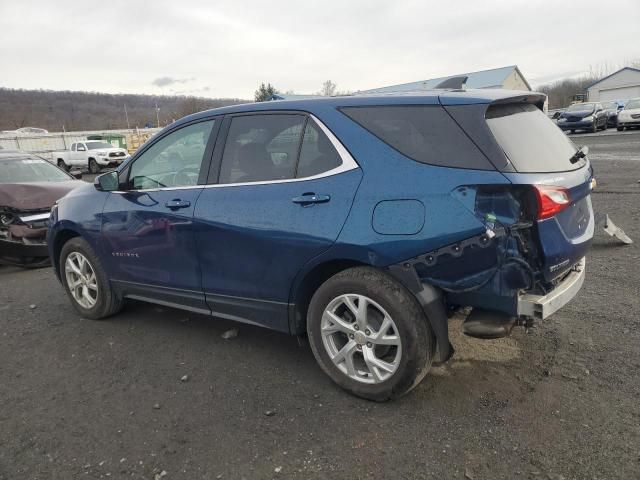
(621, 85)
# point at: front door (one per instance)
(281, 199)
(79, 155)
(148, 230)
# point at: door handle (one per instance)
(176, 203)
(310, 198)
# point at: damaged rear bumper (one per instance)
(540, 307)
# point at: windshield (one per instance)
(29, 169)
(580, 107)
(635, 103)
(97, 145)
(531, 142)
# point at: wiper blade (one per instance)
(580, 154)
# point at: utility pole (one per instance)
(126, 116)
(157, 115)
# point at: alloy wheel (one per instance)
(81, 280)
(361, 338)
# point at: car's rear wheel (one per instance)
(86, 282)
(369, 334)
(63, 165)
(93, 166)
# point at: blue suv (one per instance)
(360, 221)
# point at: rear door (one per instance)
(281, 187)
(79, 157)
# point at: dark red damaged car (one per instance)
(29, 187)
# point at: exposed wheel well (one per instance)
(308, 286)
(61, 238)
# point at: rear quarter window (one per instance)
(424, 133)
(531, 142)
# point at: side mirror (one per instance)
(107, 182)
(77, 174)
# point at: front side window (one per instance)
(261, 148)
(174, 160)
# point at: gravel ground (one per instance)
(86, 399)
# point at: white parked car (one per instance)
(90, 154)
(630, 115)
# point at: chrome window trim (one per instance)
(348, 163)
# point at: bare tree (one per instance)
(328, 88)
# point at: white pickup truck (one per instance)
(90, 154)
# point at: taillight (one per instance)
(551, 200)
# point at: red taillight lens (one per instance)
(551, 200)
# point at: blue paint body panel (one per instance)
(244, 252)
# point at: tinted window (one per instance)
(531, 141)
(426, 134)
(317, 154)
(261, 148)
(174, 160)
(28, 169)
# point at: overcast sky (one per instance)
(221, 48)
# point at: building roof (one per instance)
(493, 78)
(611, 75)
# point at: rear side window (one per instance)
(317, 154)
(531, 142)
(261, 148)
(424, 133)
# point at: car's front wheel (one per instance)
(86, 282)
(369, 334)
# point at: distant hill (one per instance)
(95, 111)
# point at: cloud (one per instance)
(165, 81)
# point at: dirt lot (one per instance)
(83, 399)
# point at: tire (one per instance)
(412, 340)
(107, 302)
(620, 129)
(62, 165)
(93, 166)
(594, 127)
(573, 131)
